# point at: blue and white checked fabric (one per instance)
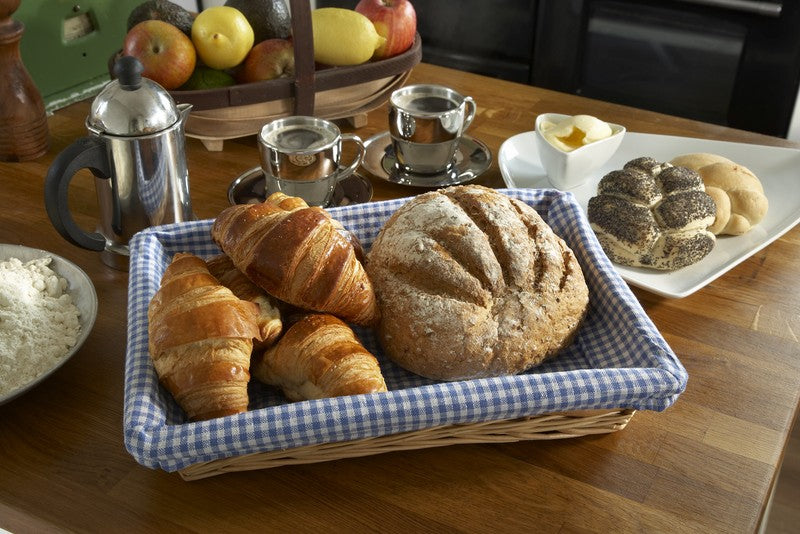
(618, 360)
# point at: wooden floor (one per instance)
(784, 518)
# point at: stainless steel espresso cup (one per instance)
(301, 157)
(426, 123)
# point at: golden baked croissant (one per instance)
(292, 203)
(200, 339)
(319, 356)
(298, 255)
(269, 316)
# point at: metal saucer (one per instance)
(250, 188)
(472, 159)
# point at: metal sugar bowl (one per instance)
(136, 151)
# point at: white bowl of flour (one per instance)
(48, 306)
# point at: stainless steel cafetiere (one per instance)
(136, 151)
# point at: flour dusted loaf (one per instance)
(736, 190)
(472, 283)
(652, 214)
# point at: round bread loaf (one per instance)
(652, 214)
(473, 283)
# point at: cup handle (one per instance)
(85, 153)
(362, 151)
(470, 113)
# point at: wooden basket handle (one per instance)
(303, 40)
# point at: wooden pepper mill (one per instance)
(23, 121)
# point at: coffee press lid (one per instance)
(131, 105)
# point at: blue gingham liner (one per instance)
(618, 360)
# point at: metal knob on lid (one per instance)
(131, 105)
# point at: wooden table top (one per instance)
(707, 463)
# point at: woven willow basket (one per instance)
(330, 93)
(548, 426)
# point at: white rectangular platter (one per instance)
(777, 168)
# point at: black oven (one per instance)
(490, 37)
(729, 62)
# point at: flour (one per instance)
(38, 321)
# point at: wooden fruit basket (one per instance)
(330, 92)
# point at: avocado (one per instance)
(162, 10)
(207, 78)
(270, 19)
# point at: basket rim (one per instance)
(324, 79)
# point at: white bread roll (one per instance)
(736, 190)
(473, 283)
(698, 160)
(747, 205)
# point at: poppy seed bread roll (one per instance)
(652, 214)
(472, 283)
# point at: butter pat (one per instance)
(575, 132)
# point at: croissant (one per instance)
(319, 356)
(200, 340)
(297, 254)
(292, 203)
(269, 316)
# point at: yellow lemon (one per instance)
(222, 36)
(343, 36)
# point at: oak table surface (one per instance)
(707, 463)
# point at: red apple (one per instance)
(396, 20)
(267, 60)
(166, 53)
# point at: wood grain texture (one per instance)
(707, 464)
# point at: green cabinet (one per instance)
(67, 45)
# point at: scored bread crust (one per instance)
(472, 283)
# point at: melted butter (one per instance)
(574, 139)
(575, 132)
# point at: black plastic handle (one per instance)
(85, 153)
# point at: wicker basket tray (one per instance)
(618, 363)
(330, 93)
(549, 426)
